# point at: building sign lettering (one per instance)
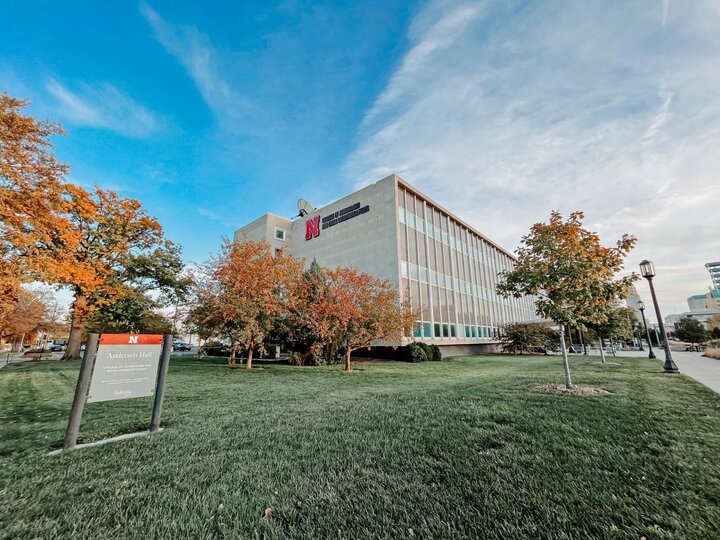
(312, 226)
(126, 366)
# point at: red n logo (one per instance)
(312, 228)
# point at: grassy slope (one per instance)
(458, 448)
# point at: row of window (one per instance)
(419, 224)
(425, 275)
(443, 330)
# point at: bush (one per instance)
(427, 350)
(434, 355)
(712, 353)
(414, 352)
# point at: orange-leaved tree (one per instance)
(120, 247)
(358, 309)
(31, 198)
(247, 290)
(570, 274)
(27, 317)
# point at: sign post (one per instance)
(123, 366)
(160, 386)
(88, 361)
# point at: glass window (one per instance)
(411, 219)
(279, 234)
(412, 271)
(427, 330)
(404, 268)
(452, 331)
(402, 215)
(467, 331)
(417, 331)
(472, 330)
(445, 330)
(423, 274)
(437, 330)
(420, 224)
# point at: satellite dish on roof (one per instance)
(304, 207)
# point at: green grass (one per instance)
(461, 448)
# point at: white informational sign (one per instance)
(126, 366)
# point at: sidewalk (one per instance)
(16, 358)
(693, 364)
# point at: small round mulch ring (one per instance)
(575, 391)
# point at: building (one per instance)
(392, 231)
(702, 302)
(714, 269)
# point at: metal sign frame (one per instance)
(83, 385)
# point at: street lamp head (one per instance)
(641, 305)
(647, 269)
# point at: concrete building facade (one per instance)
(391, 230)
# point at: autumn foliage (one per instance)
(98, 244)
(358, 309)
(249, 293)
(245, 290)
(569, 272)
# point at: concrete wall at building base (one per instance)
(468, 350)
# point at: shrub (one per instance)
(427, 350)
(436, 355)
(414, 352)
(712, 353)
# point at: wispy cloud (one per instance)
(103, 106)
(200, 58)
(505, 111)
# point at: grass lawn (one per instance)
(461, 448)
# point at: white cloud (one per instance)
(103, 106)
(505, 112)
(200, 59)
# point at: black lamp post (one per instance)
(639, 334)
(647, 270)
(641, 307)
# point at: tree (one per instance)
(120, 247)
(691, 331)
(246, 290)
(26, 317)
(31, 194)
(619, 325)
(357, 310)
(297, 329)
(713, 325)
(570, 274)
(133, 313)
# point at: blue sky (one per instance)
(214, 113)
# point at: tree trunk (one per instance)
(249, 362)
(348, 366)
(76, 328)
(231, 360)
(602, 350)
(566, 362)
(582, 341)
(18, 345)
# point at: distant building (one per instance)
(703, 307)
(702, 302)
(714, 269)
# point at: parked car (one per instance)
(181, 346)
(57, 348)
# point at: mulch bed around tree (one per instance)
(576, 391)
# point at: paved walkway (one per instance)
(693, 364)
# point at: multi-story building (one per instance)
(714, 269)
(391, 230)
